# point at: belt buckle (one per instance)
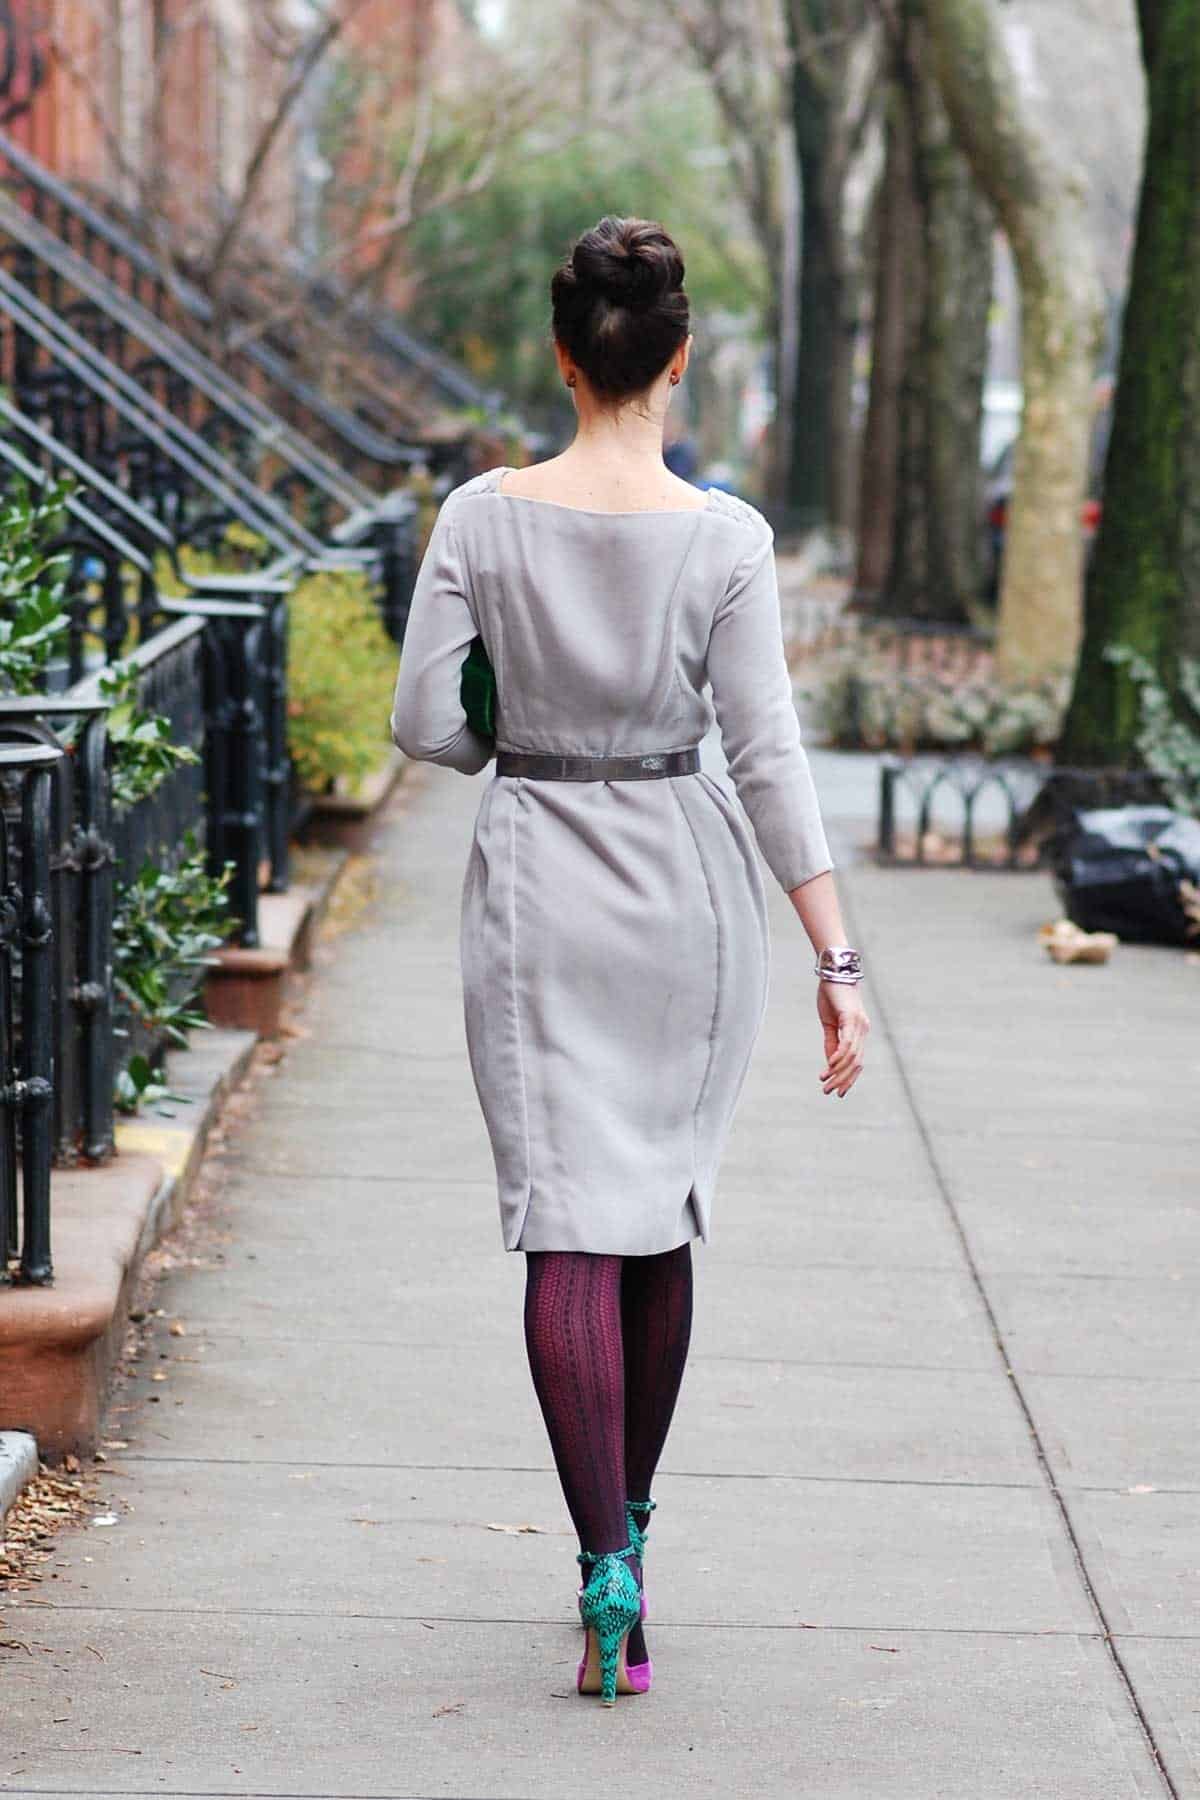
(652, 763)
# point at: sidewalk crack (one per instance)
(946, 1195)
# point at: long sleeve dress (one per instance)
(614, 937)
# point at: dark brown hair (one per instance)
(618, 304)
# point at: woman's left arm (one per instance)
(843, 1017)
(428, 721)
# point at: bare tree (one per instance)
(426, 131)
(1040, 204)
(918, 531)
(832, 71)
(792, 82)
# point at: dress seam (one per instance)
(516, 988)
(712, 1028)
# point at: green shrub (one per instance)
(33, 617)
(143, 750)
(341, 675)
(1168, 740)
(167, 923)
(341, 665)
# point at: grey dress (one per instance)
(613, 934)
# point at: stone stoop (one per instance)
(348, 820)
(245, 989)
(59, 1344)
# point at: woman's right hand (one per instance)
(845, 1025)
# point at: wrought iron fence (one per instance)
(91, 413)
(168, 451)
(985, 812)
(376, 457)
(26, 1020)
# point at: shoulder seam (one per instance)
(742, 512)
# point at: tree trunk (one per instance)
(895, 234)
(930, 354)
(822, 365)
(782, 321)
(957, 245)
(1041, 209)
(1144, 584)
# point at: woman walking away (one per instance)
(614, 932)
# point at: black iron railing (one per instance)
(81, 875)
(168, 450)
(120, 543)
(375, 457)
(197, 391)
(88, 407)
(989, 812)
(26, 1023)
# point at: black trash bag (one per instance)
(1120, 868)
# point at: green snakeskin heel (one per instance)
(610, 1606)
(637, 1535)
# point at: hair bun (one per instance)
(618, 305)
(632, 264)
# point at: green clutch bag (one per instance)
(477, 690)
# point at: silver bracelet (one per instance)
(837, 962)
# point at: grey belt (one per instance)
(538, 766)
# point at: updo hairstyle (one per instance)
(618, 305)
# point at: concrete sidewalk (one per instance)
(929, 1521)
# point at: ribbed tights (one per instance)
(607, 1338)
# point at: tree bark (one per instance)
(1041, 208)
(879, 465)
(822, 381)
(929, 355)
(831, 48)
(1144, 583)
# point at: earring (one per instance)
(570, 381)
(674, 381)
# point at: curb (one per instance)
(59, 1344)
(204, 1075)
(18, 1466)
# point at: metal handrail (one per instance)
(185, 449)
(372, 445)
(247, 412)
(260, 599)
(387, 335)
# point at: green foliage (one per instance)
(341, 675)
(485, 261)
(168, 922)
(143, 751)
(862, 698)
(1167, 738)
(141, 1084)
(33, 619)
(341, 666)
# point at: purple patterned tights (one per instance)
(607, 1338)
